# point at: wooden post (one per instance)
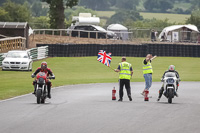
(79, 34)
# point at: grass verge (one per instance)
(172, 18)
(83, 70)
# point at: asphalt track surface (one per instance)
(88, 108)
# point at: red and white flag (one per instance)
(104, 58)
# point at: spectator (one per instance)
(153, 38)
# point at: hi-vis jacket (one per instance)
(147, 68)
(125, 70)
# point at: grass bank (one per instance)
(83, 70)
(172, 18)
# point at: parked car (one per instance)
(90, 31)
(17, 60)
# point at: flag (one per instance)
(104, 58)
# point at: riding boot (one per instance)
(175, 93)
(160, 93)
(49, 92)
(34, 92)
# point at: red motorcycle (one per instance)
(41, 86)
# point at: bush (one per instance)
(195, 18)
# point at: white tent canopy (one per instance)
(120, 30)
(166, 30)
(117, 27)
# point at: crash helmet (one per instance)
(44, 65)
(171, 68)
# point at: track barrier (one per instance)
(129, 50)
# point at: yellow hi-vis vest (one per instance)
(125, 72)
(147, 68)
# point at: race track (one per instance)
(88, 108)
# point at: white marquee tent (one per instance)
(120, 30)
(173, 33)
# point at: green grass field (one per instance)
(173, 18)
(83, 70)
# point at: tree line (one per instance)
(57, 13)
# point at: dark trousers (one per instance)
(125, 82)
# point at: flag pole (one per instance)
(111, 68)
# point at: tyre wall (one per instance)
(129, 50)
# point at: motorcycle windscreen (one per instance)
(170, 74)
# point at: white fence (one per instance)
(38, 53)
(1, 58)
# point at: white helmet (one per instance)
(171, 68)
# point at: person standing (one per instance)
(125, 73)
(147, 73)
(153, 35)
(156, 35)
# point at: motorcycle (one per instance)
(170, 85)
(41, 87)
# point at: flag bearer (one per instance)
(147, 73)
(125, 73)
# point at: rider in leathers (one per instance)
(170, 69)
(44, 68)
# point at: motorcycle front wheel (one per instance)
(170, 95)
(39, 94)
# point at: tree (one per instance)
(195, 4)
(149, 24)
(56, 11)
(127, 4)
(122, 16)
(158, 5)
(99, 5)
(4, 15)
(15, 12)
(38, 10)
(41, 22)
(195, 18)
(165, 5)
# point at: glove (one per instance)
(32, 75)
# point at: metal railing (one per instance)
(125, 36)
(134, 35)
(12, 43)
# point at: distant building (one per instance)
(15, 29)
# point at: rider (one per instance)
(48, 71)
(171, 68)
